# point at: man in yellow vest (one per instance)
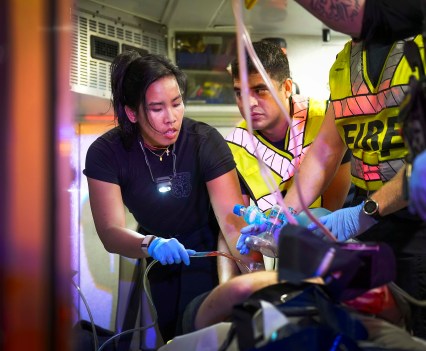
(281, 150)
(368, 81)
(225, 300)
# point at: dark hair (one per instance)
(131, 75)
(272, 58)
(281, 42)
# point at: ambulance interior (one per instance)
(59, 285)
(200, 37)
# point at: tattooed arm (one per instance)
(383, 21)
(344, 16)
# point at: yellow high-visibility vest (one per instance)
(367, 115)
(308, 115)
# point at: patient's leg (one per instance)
(217, 306)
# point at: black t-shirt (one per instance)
(201, 155)
(386, 21)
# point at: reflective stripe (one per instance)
(276, 162)
(366, 115)
(300, 112)
(366, 99)
(282, 161)
(383, 171)
(358, 69)
(369, 104)
(266, 202)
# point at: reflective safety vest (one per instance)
(367, 115)
(308, 115)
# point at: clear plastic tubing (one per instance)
(224, 254)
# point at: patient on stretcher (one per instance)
(353, 296)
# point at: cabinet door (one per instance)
(205, 57)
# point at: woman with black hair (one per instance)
(175, 175)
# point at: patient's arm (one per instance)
(218, 305)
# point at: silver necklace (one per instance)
(164, 184)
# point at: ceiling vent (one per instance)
(96, 41)
(103, 49)
(125, 47)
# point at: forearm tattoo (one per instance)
(336, 10)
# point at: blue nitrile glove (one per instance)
(346, 223)
(417, 204)
(169, 251)
(252, 229)
(266, 244)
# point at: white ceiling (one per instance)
(265, 18)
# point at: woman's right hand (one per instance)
(169, 251)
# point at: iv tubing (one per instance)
(151, 302)
(244, 42)
(224, 254)
(89, 312)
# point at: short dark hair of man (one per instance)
(272, 58)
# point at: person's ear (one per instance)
(288, 87)
(131, 114)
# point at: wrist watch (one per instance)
(371, 208)
(145, 243)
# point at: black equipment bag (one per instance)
(316, 318)
(316, 322)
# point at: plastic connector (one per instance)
(251, 214)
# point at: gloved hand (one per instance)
(417, 204)
(254, 237)
(252, 229)
(346, 223)
(169, 251)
